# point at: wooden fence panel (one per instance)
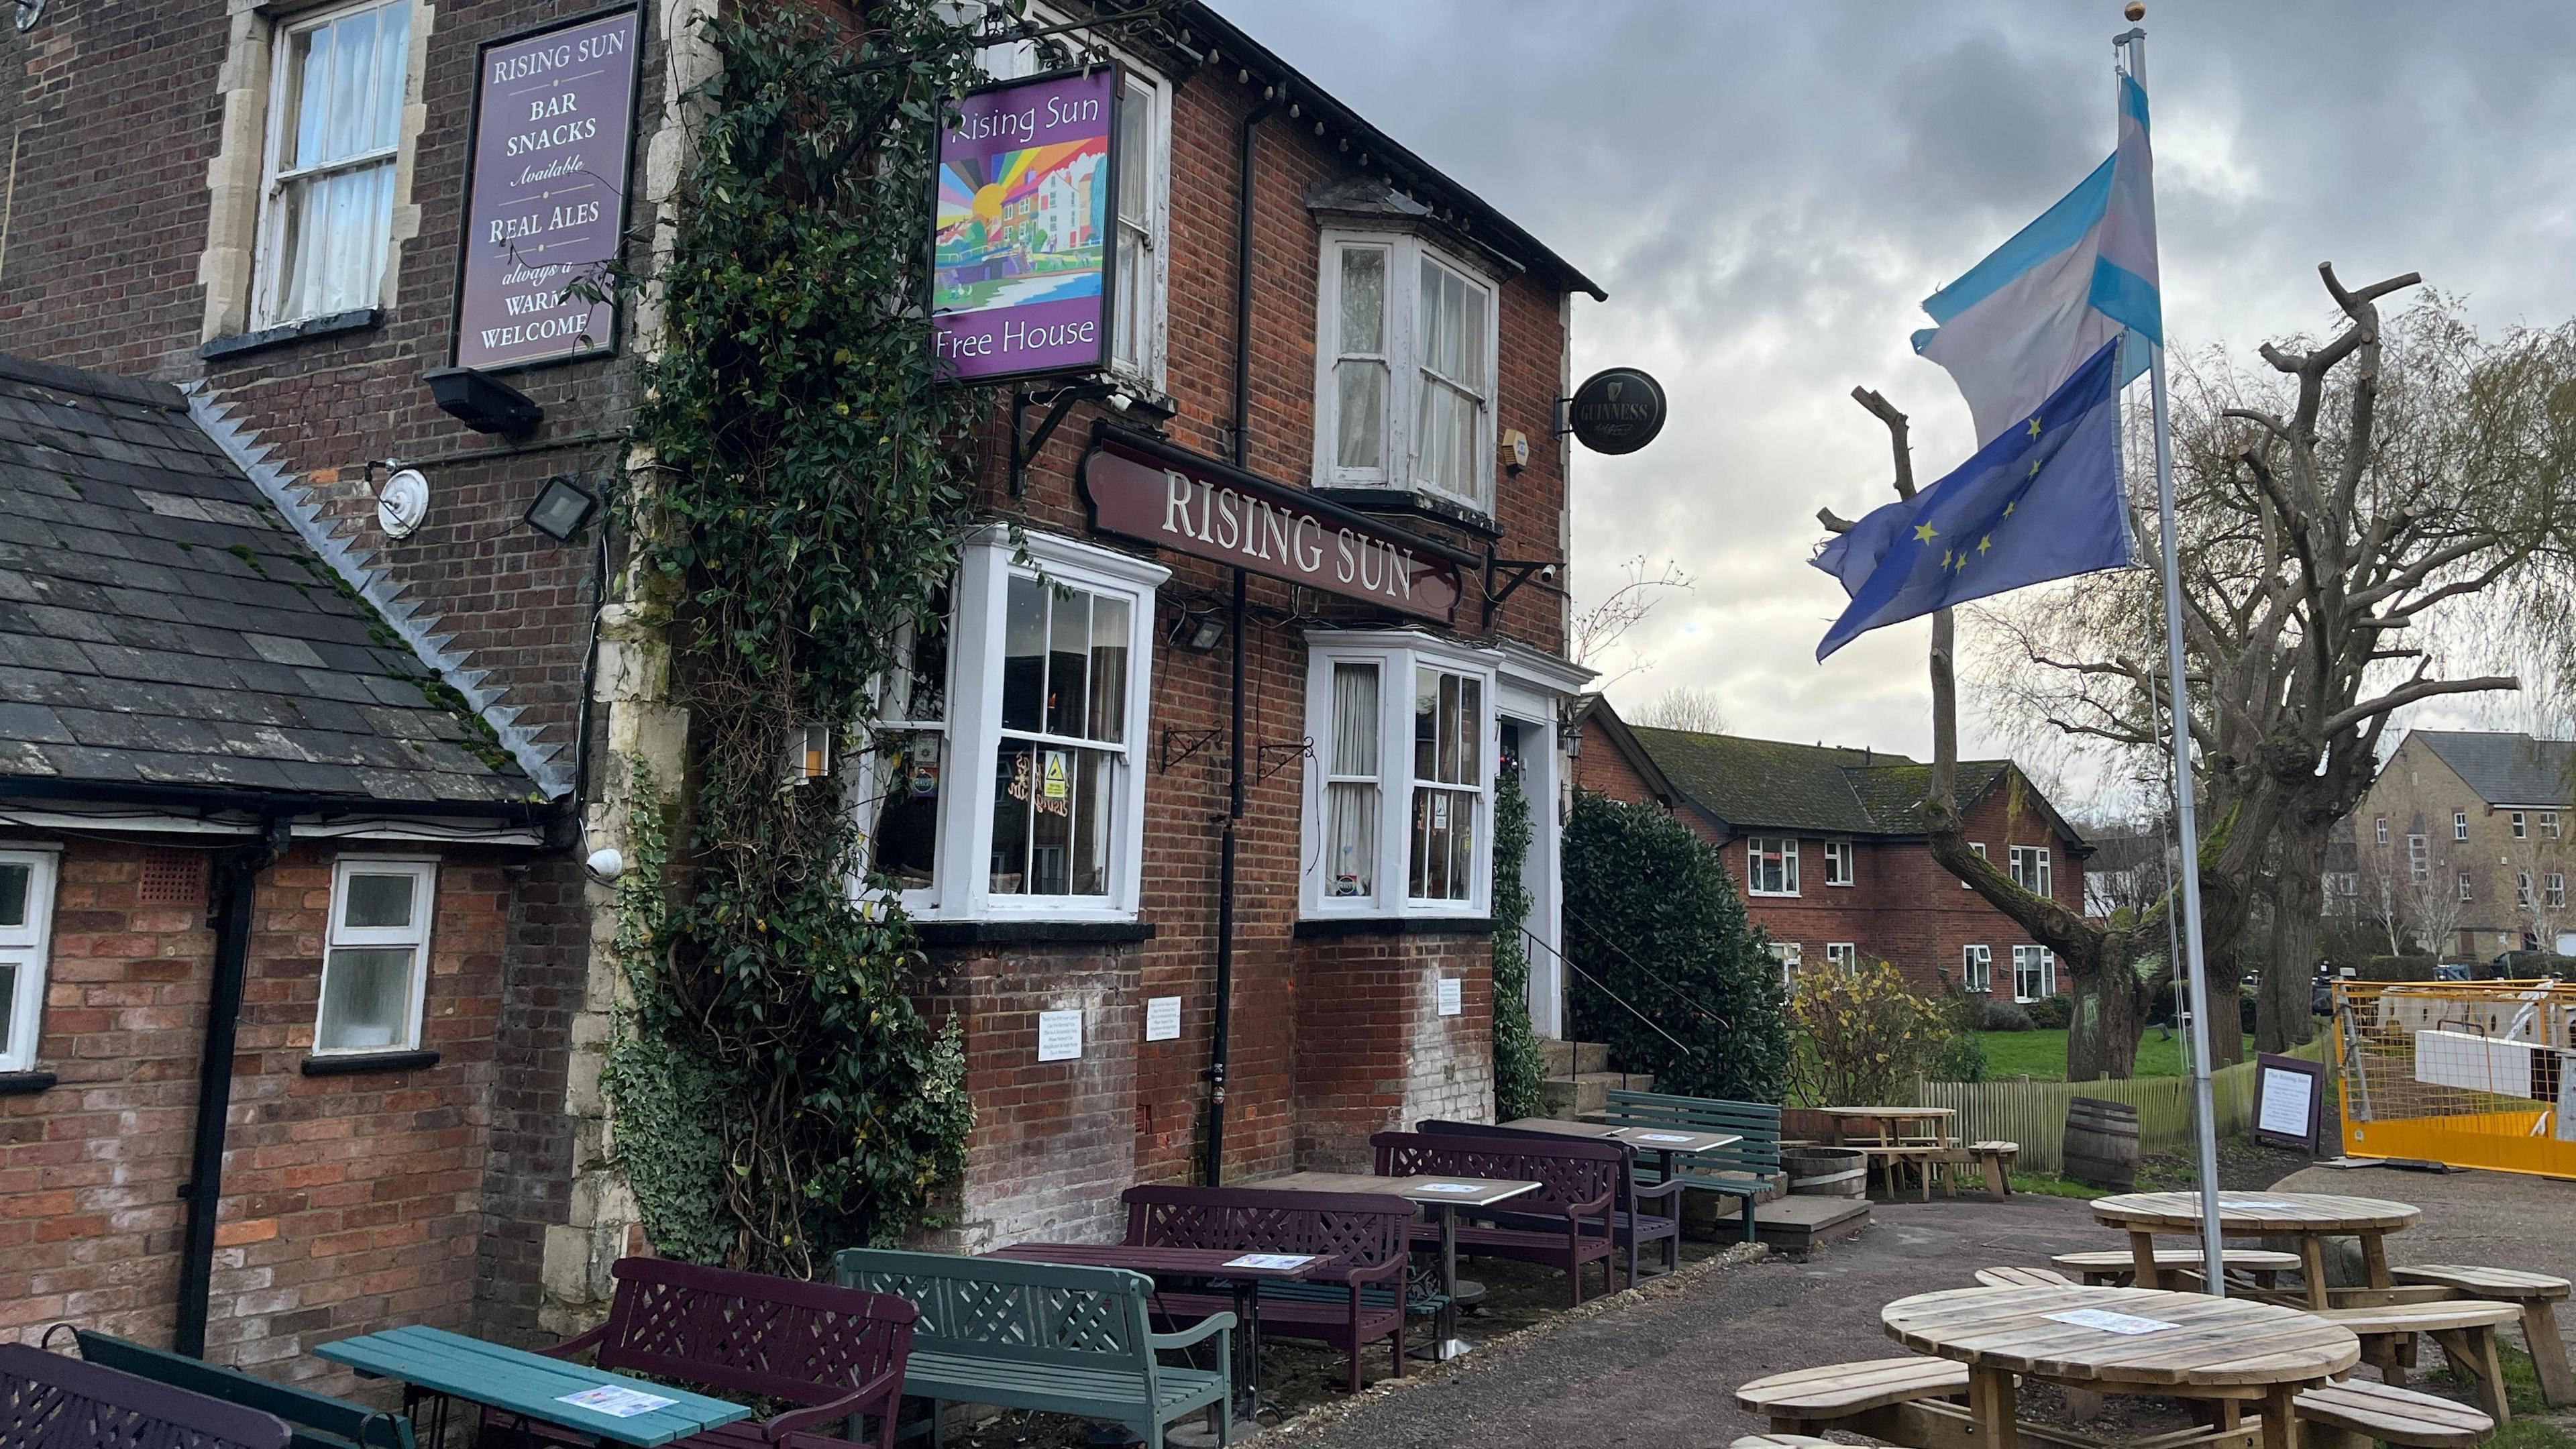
(2034, 1113)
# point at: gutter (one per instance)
(269, 804)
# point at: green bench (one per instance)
(1050, 1337)
(1742, 1171)
(313, 1420)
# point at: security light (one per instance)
(561, 509)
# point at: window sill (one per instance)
(362, 319)
(1025, 933)
(24, 1084)
(1404, 502)
(1772, 895)
(1328, 927)
(361, 1063)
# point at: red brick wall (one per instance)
(350, 1202)
(1374, 1054)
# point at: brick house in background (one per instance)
(2466, 836)
(252, 329)
(1826, 846)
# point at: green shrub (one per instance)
(1667, 970)
(1866, 1038)
(2052, 1013)
(1517, 1066)
(2003, 1016)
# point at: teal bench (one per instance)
(1750, 1162)
(313, 1421)
(1045, 1336)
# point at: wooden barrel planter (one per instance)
(1826, 1171)
(2101, 1144)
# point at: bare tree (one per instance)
(1685, 707)
(1598, 629)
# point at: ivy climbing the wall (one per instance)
(802, 484)
(1517, 1069)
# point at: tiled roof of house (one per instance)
(161, 624)
(1772, 784)
(2507, 769)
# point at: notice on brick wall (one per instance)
(1163, 1018)
(1453, 996)
(1059, 1036)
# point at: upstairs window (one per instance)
(375, 965)
(1398, 805)
(2381, 825)
(2519, 826)
(2549, 824)
(2029, 864)
(2418, 859)
(2557, 897)
(1770, 865)
(1979, 847)
(26, 938)
(334, 128)
(1838, 862)
(1977, 968)
(1404, 379)
(2464, 885)
(2460, 825)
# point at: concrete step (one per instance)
(1566, 1058)
(1799, 1225)
(1587, 1093)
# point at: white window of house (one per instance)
(1838, 863)
(1979, 847)
(1009, 779)
(1977, 968)
(375, 964)
(1792, 957)
(2459, 825)
(2418, 859)
(26, 939)
(334, 128)
(1397, 809)
(2522, 889)
(2557, 896)
(1405, 347)
(2029, 864)
(2518, 822)
(2034, 973)
(2464, 885)
(2549, 824)
(1770, 865)
(2381, 825)
(1843, 956)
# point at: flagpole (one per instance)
(2213, 1272)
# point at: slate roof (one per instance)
(162, 625)
(1824, 789)
(2507, 769)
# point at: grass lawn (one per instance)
(2042, 1054)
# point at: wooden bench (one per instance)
(2537, 1293)
(1807, 1401)
(837, 1352)
(1565, 1224)
(1996, 1159)
(2118, 1267)
(53, 1401)
(1742, 1171)
(1360, 1303)
(2465, 1327)
(1632, 1222)
(313, 1420)
(2012, 1277)
(2353, 1413)
(1047, 1337)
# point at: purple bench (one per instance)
(48, 1401)
(1357, 1304)
(1566, 1223)
(1633, 1222)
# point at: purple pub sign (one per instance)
(554, 115)
(1027, 227)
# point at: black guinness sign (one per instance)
(1618, 410)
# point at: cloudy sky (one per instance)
(1767, 191)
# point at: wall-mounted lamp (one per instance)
(29, 12)
(1199, 633)
(561, 509)
(483, 402)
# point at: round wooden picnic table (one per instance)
(2310, 1217)
(2125, 1341)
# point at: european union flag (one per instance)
(2040, 502)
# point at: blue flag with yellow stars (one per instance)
(2040, 502)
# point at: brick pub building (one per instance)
(274, 724)
(1827, 847)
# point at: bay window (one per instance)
(1404, 369)
(334, 131)
(1770, 865)
(1006, 776)
(1400, 799)
(26, 939)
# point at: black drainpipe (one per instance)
(1224, 1027)
(236, 879)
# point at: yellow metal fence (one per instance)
(2474, 1074)
(2034, 1113)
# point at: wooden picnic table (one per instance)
(1886, 1138)
(2186, 1345)
(1242, 1269)
(1891, 1122)
(1444, 1194)
(532, 1386)
(2310, 1217)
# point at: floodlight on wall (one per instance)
(29, 12)
(483, 402)
(1198, 633)
(402, 503)
(561, 508)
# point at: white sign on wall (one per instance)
(1059, 1036)
(1163, 1018)
(1453, 1000)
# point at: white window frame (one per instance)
(2419, 859)
(2382, 823)
(2460, 825)
(2038, 959)
(2522, 889)
(1840, 863)
(2549, 824)
(2556, 898)
(1979, 847)
(961, 886)
(1977, 969)
(268, 251)
(1405, 255)
(2029, 865)
(2520, 822)
(1020, 58)
(1792, 956)
(1843, 956)
(423, 869)
(1754, 853)
(1398, 653)
(29, 947)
